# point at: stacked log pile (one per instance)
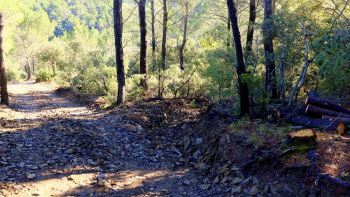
(319, 113)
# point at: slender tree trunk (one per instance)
(299, 84)
(118, 35)
(270, 78)
(165, 32)
(3, 80)
(28, 68)
(228, 42)
(143, 42)
(242, 86)
(184, 38)
(250, 33)
(153, 22)
(33, 65)
(273, 6)
(282, 75)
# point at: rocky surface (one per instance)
(53, 147)
(50, 146)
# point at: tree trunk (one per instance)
(250, 33)
(340, 119)
(184, 38)
(143, 43)
(153, 29)
(3, 80)
(228, 42)
(302, 76)
(28, 68)
(165, 32)
(118, 35)
(313, 123)
(242, 86)
(282, 83)
(318, 112)
(270, 78)
(326, 104)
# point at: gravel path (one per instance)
(52, 147)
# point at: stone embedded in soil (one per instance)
(204, 186)
(187, 182)
(196, 155)
(199, 141)
(236, 180)
(303, 137)
(286, 189)
(30, 176)
(253, 191)
(255, 180)
(186, 142)
(236, 190)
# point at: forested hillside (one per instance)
(136, 97)
(72, 43)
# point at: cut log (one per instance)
(285, 112)
(305, 137)
(312, 93)
(326, 104)
(318, 112)
(341, 129)
(307, 122)
(340, 119)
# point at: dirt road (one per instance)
(52, 147)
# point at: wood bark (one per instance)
(118, 35)
(153, 29)
(282, 82)
(303, 73)
(164, 33)
(270, 76)
(242, 86)
(228, 41)
(153, 35)
(143, 42)
(326, 104)
(318, 112)
(250, 33)
(184, 37)
(312, 122)
(28, 68)
(3, 80)
(340, 119)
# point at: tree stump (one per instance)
(306, 137)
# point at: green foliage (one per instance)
(43, 75)
(220, 71)
(258, 132)
(333, 57)
(71, 42)
(13, 75)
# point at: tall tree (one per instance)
(3, 81)
(153, 29)
(164, 32)
(184, 36)
(270, 78)
(241, 70)
(143, 42)
(250, 33)
(118, 35)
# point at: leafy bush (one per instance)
(333, 57)
(13, 76)
(43, 75)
